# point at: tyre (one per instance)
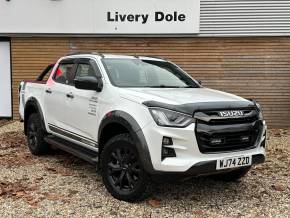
(232, 175)
(121, 169)
(35, 135)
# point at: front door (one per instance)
(83, 105)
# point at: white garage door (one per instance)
(5, 80)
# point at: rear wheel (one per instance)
(35, 135)
(122, 171)
(232, 175)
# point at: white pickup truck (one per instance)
(138, 118)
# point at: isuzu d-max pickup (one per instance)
(138, 118)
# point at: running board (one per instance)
(75, 149)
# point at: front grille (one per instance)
(215, 134)
(232, 121)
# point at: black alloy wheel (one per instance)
(32, 135)
(35, 135)
(122, 170)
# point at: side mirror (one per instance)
(199, 82)
(89, 83)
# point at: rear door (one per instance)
(83, 105)
(56, 95)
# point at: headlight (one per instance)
(164, 117)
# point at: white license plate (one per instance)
(233, 162)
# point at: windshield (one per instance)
(146, 73)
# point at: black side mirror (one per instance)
(199, 82)
(89, 83)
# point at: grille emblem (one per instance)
(234, 113)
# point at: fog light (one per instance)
(167, 141)
(166, 151)
(216, 141)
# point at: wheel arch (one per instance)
(32, 106)
(126, 121)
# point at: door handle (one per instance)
(48, 91)
(69, 95)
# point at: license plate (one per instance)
(233, 162)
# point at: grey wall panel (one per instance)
(245, 18)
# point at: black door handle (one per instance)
(70, 95)
(48, 91)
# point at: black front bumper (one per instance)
(209, 167)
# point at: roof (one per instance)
(117, 56)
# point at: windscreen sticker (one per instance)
(93, 102)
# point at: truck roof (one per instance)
(119, 56)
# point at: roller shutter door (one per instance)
(244, 17)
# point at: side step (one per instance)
(75, 149)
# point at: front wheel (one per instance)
(122, 171)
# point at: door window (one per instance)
(85, 70)
(65, 73)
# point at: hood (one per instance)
(177, 96)
(186, 100)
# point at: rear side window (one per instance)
(65, 73)
(85, 70)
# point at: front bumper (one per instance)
(209, 167)
(203, 168)
(189, 159)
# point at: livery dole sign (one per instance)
(150, 16)
(100, 17)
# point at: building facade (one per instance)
(238, 46)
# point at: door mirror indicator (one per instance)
(89, 83)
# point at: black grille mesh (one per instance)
(231, 132)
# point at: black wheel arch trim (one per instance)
(126, 120)
(32, 102)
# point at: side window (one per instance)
(64, 74)
(85, 70)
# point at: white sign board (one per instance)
(5, 80)
(100, 17)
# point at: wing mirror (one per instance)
(199, 82)
(89, 83)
